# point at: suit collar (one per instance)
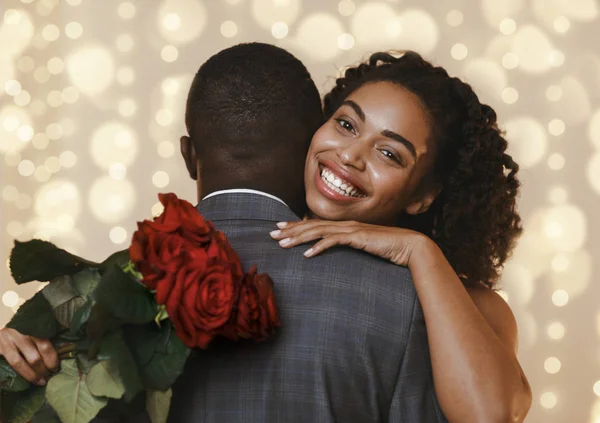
(245, 206)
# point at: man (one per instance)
(353, 345)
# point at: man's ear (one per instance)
(424, 201)
(188, 152)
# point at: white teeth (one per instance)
(339, 186)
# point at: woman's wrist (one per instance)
(424, 248)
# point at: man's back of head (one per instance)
(251, 112)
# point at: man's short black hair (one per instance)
(250, 100)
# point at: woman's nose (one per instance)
(353, 156)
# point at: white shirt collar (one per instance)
(245, 191)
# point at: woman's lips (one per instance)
(331, 191)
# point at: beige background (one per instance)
(91, 109)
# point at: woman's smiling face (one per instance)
(368, 161)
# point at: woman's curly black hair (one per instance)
(474, 219)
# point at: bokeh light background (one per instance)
(92, 98)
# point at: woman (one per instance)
(412, 155)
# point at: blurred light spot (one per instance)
(169, 53)
(170, 86)
(38, 107)
(54, 99)
(160, 179)
(52, 163)
(374, 35)
(346, 41)
(42, 174)
(561, 24)
(556, 127)
(495, 11)
(508, 26)
(111, 143)
(74, 2)
(25, 64)
(596, 388)
(393, 28)
(556, 161)
(117, 171)
(14, 229)
(593, 172)
(528, 142)
(164, 117)
(594, 129)
(556, 58)
(419, 31)
(56, 198)
(73, 30)
(25, 133)
(486, 76)
(125, 43)
(533, 48)
(556, 331)
(118, 235)
(68, 159)
(70, 95)
(22, 99)
(318, 36)
(91, 70)
(12, 87)
(575, 105)
(15, 38)
(125, 75)
(560, 298)
(111, 200)
(55, 65)
(572, 272)
(12, 158)
(229, 29)
(192, 15)
(518, 282)
(126, 10)
(558, 195)
(10, 193)
(40, 141)
(548, 400)
(10, 298)
(346, 7)
(157, 209)
(68, 126)
(127, 107)
(459, 51)
(15, 129)
(554, 93)
(279, 30)
(581, 10)
(267, 12)
(26, 168)
(166, 149)
(510, 60)
(41, 74)
(565, 227)
(510, 95)
(171, 21)
(50, 32)
(454, 18)
(12, 17)
(552, 365)
(54, 131)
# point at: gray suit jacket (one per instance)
(352, 346)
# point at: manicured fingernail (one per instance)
(285, 242)
(281, 225)
(275, 234)
(309, 252)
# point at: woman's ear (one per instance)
(188, 152)
(424, 201)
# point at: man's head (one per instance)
(251, 112)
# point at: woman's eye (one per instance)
(391, 156)
(346, 125)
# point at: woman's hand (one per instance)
(394, 244)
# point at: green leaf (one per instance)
(20, 407)
(38, 260)
(86, 281)
(125, 298)
(10, 381)
(120, 259)
(158, 404)
(159, 353)
(68, 394)
(114, 348)
(59, 291)
(104, 380)
(35, 318)
(84, 364)
(80, 318)
(64, 313)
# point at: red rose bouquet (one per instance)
(126, 325)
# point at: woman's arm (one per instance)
(473, 342)
(472, 334)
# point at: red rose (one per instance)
(199, 298)
(257, 315)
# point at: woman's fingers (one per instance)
(294, 230)
(293, 238)
(328, 242)
(48, 353)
